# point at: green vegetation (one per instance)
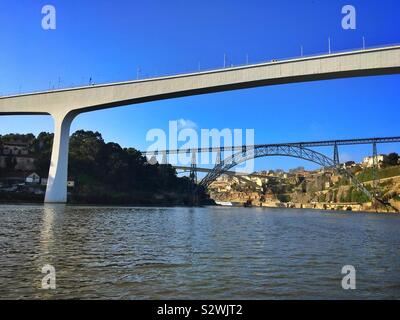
(344, 197)
(285, 198)
(41, 151)
(16, 137)
(334, 196)
(343, 181)
(322, 197)
(383, 173)
(355, 195)
(392, 159)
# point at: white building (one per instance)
(368, 162)
(33, 178)
(257, 181)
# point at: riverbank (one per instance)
(170, 201)
(196, 253)
(367, 207)
(355, 207)
(123, 199)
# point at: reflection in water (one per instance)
(46, 241)
(221, 253)
(46, 233)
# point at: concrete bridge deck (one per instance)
(377, 61)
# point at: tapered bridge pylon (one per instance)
(56, 191)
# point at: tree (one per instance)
(41, 149)
(83, 149)
(11, 162)
(391, 159)
(104, 171)
(295, 170)
(16, 137)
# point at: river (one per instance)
(196, 253)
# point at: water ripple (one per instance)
(202, 253)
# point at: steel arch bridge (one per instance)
(281, 150)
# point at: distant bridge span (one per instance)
(232, 173)
(304, 144)
(239, 175)
(64, 105)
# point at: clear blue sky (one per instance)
(109, 40)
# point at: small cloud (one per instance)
(344, 157)
(186, 124)
(316, 129)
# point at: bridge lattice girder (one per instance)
(280, 150)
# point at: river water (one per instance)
(196, 253)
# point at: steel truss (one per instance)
(286, 151)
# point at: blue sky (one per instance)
(109, 40)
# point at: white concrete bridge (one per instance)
(64, 105)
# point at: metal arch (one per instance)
(280, 150)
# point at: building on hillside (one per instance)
(15, 156)
(22, 163)
(15, 149)
(220, 186)
(33, 178)
(349, 165)
(328, 184)
(257, 181)
(70, 184)
(368, 162)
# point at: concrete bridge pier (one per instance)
(56, 191)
